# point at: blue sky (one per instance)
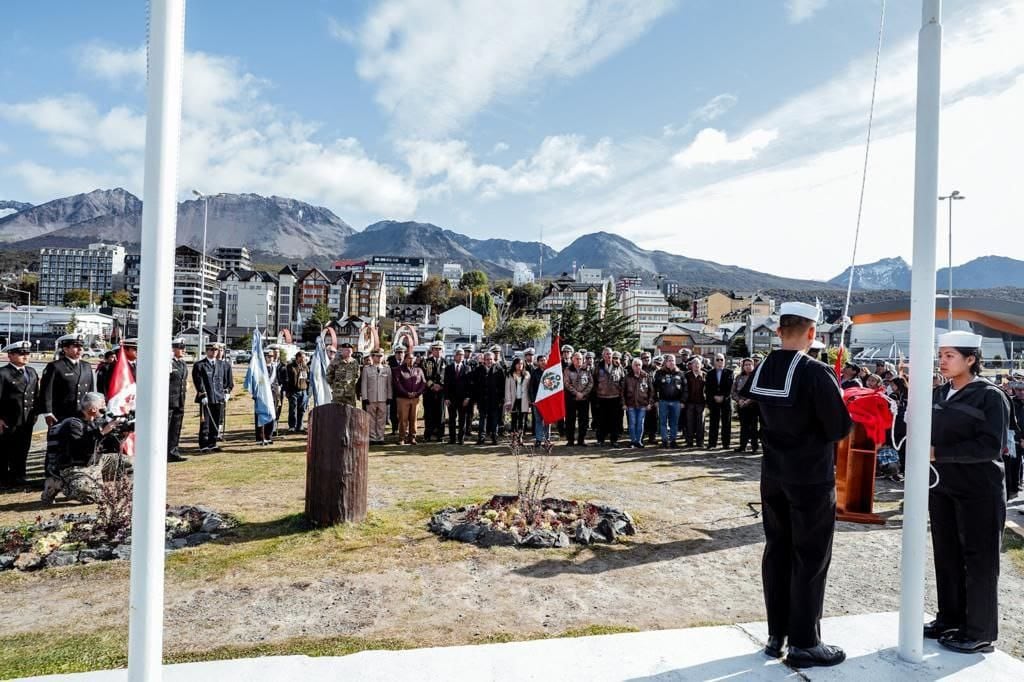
(722, 129)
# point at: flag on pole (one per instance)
(121, 396)
(319, 387)
(257, 382)
(550, 394)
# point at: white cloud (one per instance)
(499, 147)
(715, 107)
(438, 62)
(712, 146)
(802, 10)
(76, 126)
(340, 31)
(112, 64)
(560, 161)
(47, 183)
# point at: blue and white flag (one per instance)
(257, 382)
(319, 387)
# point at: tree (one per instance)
(117, 299)
(520, 330)
(72, 326)
(315, 323)
(566, 324)
(434, 291)
(738, 347)
(474, 280)
(526, 297)
(590, 325)
(243, 342)
(78, 298)
(400, 295)
(616, 329)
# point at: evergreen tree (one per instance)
(616, 329)
(590, 325)
(567, 324)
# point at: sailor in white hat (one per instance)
(815, 350)
(434, 367)
(803, 417)
(18, 386)
(65, 381)
(967, 505)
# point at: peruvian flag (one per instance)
(121, 395)
(550, 401)
(840, 361)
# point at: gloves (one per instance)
(204, 401)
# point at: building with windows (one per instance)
(452, 272)
(366, 295)
(98, 268)
(287, 280)
(312, 288)
(647, 310)
(195, 284)
(717, 305)
(669, 287)
(676, 337)
(43, 325)
(133, 275)
(244, 299)
(233, 257)
(627, 282)
(409, 313)
(401, 271)
(561, 291)
(521, 274)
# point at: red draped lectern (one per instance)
(855, 478)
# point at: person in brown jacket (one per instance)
(695, 404)
(408, 384)
(638, 396)
(608, 377)
(747, 408)
(375, 390)
(579, 384)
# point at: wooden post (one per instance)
(855, 478)
(337, 454)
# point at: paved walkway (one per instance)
(711, 653)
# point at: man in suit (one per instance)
(131, 353)
(65, 381)
(718, 392)
(458, 386)
(103, 371)
(434, 369)
(177, 386)
(395, 361)
(229, 386)
(208, 377)
(489, 388)
(18, 386)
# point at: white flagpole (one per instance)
(159, 216)
(922, 334)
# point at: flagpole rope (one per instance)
(863, 181)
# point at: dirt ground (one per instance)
(695, 561)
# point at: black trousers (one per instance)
(609, 419)
(210, 418)
(393, 415)
(1013, 472)
(458, 420)
(265, 432)
(174, 419)
(799, 521)
(577, 416)
(967, 535)
(433, 415)
(518, 424)
(14, 446)
(694, 424)
(490, 417)
(720, 415)
(749, 425)
(651, 424)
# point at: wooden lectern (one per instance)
(337, 459)
(855, 478)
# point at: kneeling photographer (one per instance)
(73, 463)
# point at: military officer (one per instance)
(176, 400)
(208, 377)
(343, 375)
(65, 381)
(433, 368)
(18, 386)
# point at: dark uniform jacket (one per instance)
(489, 386)
(177, 384)
(713, 386)
(71, 442)
(208, 377)
(63, 385)
(669, 385)
(433, 371)
(458, 385)
(803, 416)
(18, 395)
(970, 427)
(103, 372)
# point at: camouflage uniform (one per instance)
(344, 379)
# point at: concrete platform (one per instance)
(711, 653)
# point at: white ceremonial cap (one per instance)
(804, 310)
(959, 339)
(18, 346)
(529, 351)
(817, 345)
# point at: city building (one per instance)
(233, 257)
(409, 313)
(561, 291)
(98, 268)
(350, 264)
(759, 334)
(462, 322)
(366, 295)
(647, 310)
(669, 287)
(676, 337)
(452, 272)
(627, 282)
(195, 282)
(133, 275)
(588, 276)
(287, 284)
(404, 272)
(43, 325)
(713, 307)
(244, 299)
(521, 274)
(313, 287)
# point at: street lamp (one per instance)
(27, 332)
(224, 314)
(952, 196)
(202, 275)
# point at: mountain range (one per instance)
(283, 230)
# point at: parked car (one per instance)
(241, 356)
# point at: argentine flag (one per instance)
(257, 382)
(319, 387)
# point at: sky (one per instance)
(730, 130)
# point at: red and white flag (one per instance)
(121, 395)
(550, 394)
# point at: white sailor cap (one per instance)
(817, 345)
(1018, 374)
(134, 343)
(959, 339)
(495, 348)
(438, 344)
(70, 339)
(529, 351)
(18, 347)
(569, 348)
(616, 354)
(178, 343)
(804, 310)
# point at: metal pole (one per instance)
(28, 325)
(949, 314)
(922, 334)
(163, 131)
(202, 282)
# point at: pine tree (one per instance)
(616, 329)
(590, 325)
(567, 324)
